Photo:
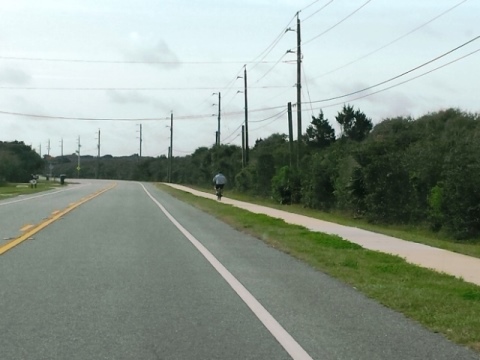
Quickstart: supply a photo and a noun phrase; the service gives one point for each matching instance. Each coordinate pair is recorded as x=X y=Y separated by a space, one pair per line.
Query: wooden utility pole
x=141 y=139
x=171 y=149
x=219 y=116
x=290 y=132
x=78 y=153
x=243 y=146
x=98 y=156
x=299 y=92
x=246 y=115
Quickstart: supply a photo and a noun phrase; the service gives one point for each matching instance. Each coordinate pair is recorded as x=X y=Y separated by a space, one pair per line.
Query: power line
x=185 y=117
x=130 y=62
x=270 y=70
x=313 y=3
x=406 y=81
x=189 y=117
x=127 y=89
x=402 y=74
x=308 y=89
x=255 y=121
x=316 y=12
x=338 y=23
x=233 y=132
x=276 y=117
x=284 y=111
x=393 y=41
x=269 y=48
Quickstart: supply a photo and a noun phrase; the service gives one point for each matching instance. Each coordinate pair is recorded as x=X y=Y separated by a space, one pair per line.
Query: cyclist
x=219 y=180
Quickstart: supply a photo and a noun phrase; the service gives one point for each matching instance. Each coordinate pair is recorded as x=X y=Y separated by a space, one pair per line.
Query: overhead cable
x=393 y=41
x=338 y=23
x=402 y=74
x=128 y=89
x=131 y=62
x=404 y=82
x=185 y=117
x=316 y=12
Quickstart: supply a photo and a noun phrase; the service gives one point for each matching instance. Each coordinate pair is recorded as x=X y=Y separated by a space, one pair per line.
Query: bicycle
x=219 y=193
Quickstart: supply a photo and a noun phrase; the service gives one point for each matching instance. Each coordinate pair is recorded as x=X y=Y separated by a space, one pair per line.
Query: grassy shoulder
x=11 y=189
x=409 y=233
x=440 y=302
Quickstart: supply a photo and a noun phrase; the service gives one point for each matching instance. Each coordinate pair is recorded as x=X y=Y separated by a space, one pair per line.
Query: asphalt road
x=135 y=274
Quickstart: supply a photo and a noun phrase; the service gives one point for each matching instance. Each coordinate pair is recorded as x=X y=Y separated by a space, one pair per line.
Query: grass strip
x=411 y=233
x=440 y=302
x=12 y=190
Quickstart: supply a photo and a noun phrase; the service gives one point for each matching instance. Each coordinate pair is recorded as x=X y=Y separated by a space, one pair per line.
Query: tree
x=320 y=134
x=18 y=162
x=318 y=181
x=355 y=124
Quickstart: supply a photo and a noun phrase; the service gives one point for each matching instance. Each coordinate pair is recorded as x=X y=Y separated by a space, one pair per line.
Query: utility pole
x=243 y=146
x=290 y=132
x=171 y=148
x=299 y=91
x=168 y=167
x=140 y=140
x=98 y=156
x=78 y=153
x=219 y=116
x=246 y=115
x=49 y=169
x=61 y=147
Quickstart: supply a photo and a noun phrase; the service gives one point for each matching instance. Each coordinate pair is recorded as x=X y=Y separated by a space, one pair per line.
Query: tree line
x=403 y=170
x=421 y=171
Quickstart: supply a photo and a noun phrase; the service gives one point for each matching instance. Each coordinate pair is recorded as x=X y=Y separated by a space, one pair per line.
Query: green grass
x=11 y=189
x=440 y=302
x=410 y=233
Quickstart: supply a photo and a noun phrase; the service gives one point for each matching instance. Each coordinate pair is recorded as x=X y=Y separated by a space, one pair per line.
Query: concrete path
x=462 y=266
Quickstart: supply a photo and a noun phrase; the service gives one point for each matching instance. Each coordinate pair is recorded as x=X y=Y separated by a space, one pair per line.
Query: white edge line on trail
x=283 y=337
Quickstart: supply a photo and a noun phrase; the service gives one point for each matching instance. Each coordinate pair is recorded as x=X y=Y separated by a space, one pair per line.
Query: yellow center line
x=36 y=228
x=26 y=227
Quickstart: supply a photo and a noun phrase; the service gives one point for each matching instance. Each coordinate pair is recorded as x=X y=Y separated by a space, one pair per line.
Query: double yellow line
x=32 y=230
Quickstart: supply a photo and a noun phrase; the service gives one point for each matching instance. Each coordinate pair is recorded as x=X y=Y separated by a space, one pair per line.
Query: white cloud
x=149 y=49
x=14 y=76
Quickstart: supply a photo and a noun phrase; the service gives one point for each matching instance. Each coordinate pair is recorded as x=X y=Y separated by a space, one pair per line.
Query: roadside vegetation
x=416 y=179
x=8 y=190
x=440 y=302
x=408 y=173
x=418 y=234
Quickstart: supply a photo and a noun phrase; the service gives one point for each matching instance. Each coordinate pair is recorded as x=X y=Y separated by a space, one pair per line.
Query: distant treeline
x=421 y=171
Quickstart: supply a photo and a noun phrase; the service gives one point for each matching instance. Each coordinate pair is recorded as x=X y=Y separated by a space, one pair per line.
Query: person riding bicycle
x=219 y=180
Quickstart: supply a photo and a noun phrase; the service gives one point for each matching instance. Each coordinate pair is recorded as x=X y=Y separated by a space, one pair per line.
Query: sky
x=114 y=73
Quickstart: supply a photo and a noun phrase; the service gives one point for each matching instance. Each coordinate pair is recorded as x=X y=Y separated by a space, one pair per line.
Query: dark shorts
x=219 y=186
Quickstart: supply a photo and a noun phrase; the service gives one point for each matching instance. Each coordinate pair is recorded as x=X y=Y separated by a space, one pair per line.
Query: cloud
x=14 y=76
x=135 y=97
x=149 y=50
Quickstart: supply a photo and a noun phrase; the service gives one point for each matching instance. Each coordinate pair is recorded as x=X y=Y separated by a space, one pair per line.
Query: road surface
x=132 y=273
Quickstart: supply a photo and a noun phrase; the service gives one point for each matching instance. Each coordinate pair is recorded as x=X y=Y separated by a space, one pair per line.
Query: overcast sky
x=75 y=61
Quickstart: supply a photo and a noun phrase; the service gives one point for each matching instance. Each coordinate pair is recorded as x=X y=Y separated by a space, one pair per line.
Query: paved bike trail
x=461 y=266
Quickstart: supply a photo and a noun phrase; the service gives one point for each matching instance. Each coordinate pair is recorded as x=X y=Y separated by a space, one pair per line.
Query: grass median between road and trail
x=416 y=234
x=440 y=302
x=12 y=189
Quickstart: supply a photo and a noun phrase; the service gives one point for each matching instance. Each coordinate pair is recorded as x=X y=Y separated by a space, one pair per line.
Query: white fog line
x=283 y=337
x=39 y=196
